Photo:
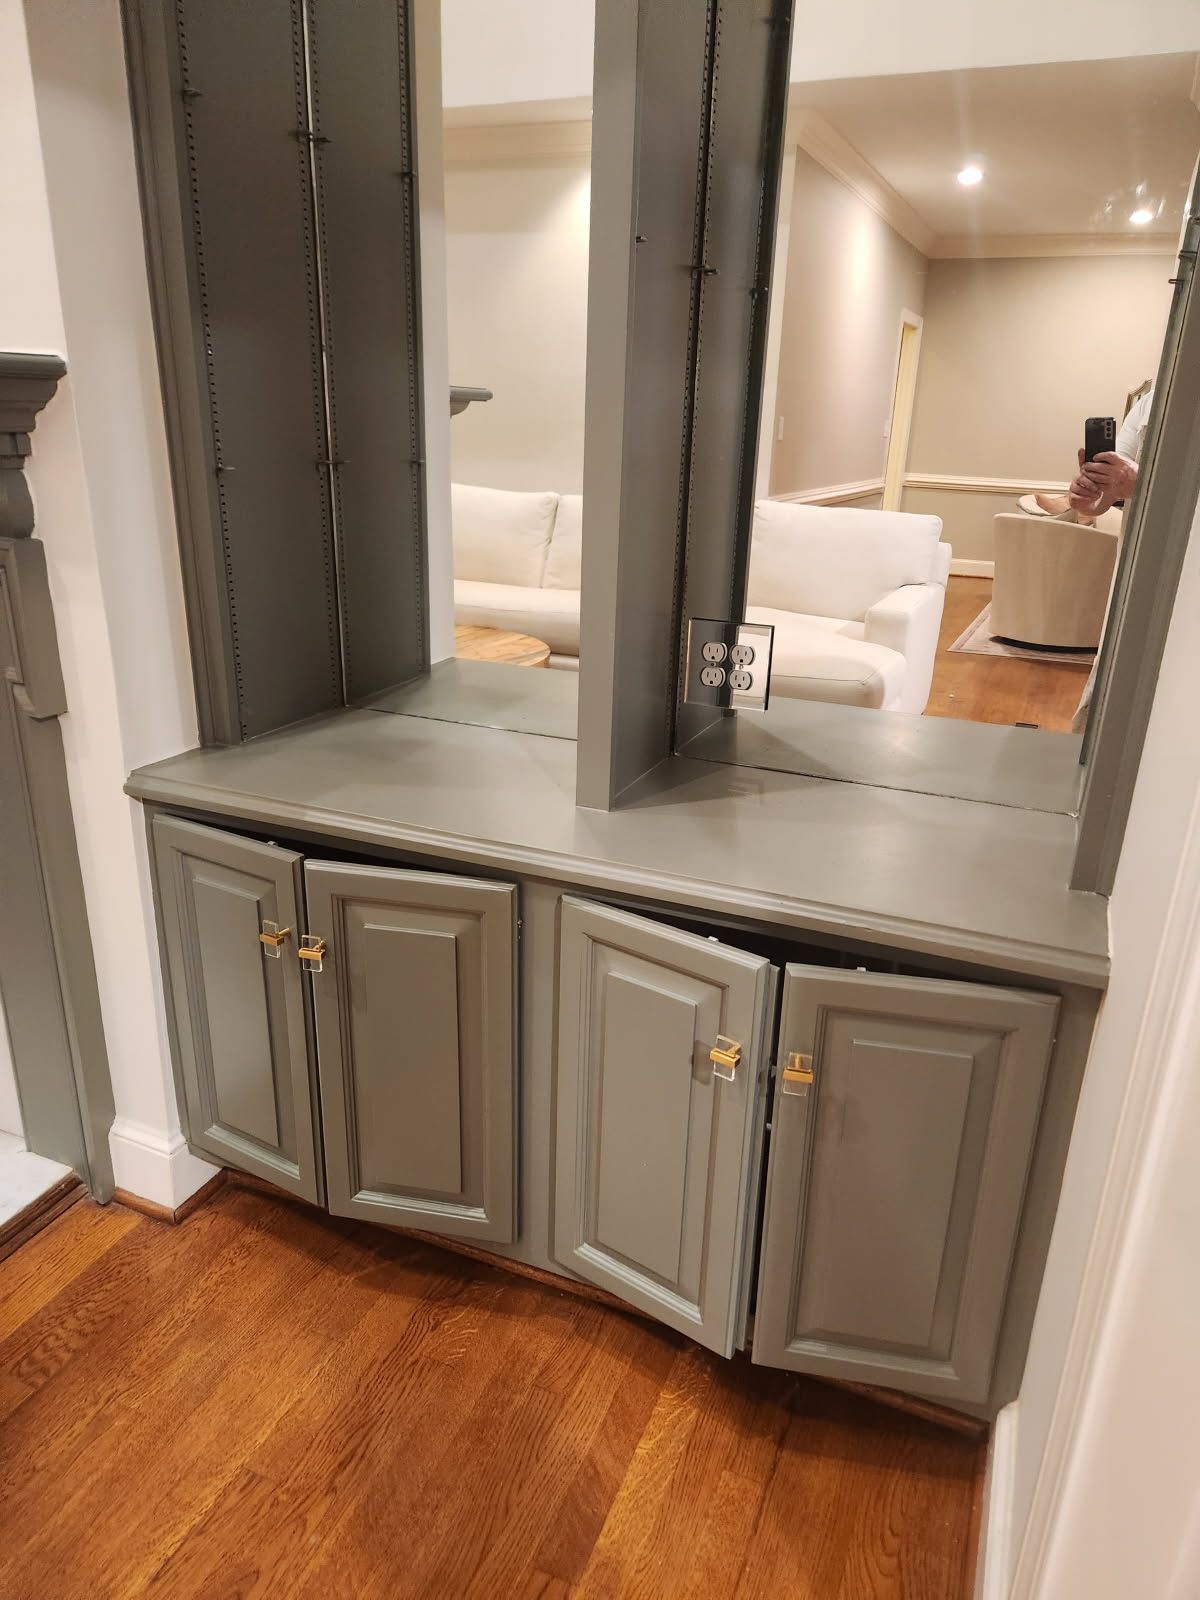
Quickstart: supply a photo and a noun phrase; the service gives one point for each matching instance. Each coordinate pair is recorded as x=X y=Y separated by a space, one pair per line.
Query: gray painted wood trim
x=484 y=1207
x=272 y=1052
x=947 y=878
x=1160 y=525
x=1005 y=1038
x=47 y=967
x=649 y=131
x=748 y=106
x=691 y=1273
x=153 y=91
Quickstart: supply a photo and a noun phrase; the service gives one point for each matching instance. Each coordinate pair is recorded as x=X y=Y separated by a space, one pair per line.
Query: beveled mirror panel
x=973 y=276
x=505 y=190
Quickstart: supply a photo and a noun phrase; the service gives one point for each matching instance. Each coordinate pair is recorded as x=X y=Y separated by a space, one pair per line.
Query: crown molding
x=1009 y=246
x=809 y=131
x=27 y=383
x=485 y=144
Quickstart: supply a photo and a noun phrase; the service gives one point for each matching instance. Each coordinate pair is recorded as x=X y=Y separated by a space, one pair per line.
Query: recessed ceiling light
x=1141 y=217
x=970 y=176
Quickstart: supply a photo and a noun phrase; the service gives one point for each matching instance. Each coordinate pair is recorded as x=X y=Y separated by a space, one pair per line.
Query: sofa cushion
x=837 y=561
x=551 y=615
x=828 y=624
x=500 y=535
x=564 y=563
x=809 y=663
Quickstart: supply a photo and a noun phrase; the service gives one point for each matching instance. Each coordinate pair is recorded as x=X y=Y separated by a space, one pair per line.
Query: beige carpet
x=978 y=641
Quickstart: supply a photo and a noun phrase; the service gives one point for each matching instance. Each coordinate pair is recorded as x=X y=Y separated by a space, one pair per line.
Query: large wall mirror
x=969 y=265
x=505 y=192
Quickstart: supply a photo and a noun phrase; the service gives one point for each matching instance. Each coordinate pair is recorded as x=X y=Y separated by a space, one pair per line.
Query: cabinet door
x=415 y=1038
x=236 y=1005
x=896 y=1176
x=656 y=1152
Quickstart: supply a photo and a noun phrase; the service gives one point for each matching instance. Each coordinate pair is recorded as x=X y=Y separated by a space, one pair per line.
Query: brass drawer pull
x=725 y=1056
x=797 y=1074
x=273 y=938
x=312 y=951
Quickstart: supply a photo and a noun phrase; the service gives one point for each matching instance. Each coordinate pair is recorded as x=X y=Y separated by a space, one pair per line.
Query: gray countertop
x=963 y=879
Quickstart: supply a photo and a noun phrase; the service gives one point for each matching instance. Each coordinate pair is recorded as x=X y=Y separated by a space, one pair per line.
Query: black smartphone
x=1099 y=433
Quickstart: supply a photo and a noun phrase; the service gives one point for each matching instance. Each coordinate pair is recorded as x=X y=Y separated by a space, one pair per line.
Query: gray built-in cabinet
x=839 y=1187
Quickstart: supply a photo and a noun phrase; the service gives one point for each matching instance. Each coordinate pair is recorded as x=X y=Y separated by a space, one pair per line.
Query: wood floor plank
x=1001 y=689
x=44 y=1266
x=114 y=1334
x=622 y=1557
x=239 y=1386
x=569 y=1539
x=267 y=1402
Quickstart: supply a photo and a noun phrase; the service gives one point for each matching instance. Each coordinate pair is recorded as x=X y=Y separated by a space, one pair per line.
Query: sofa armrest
x=908 y=620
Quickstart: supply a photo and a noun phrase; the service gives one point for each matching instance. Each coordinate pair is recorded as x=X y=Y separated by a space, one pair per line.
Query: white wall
x=516 y=51
x=516 y=273
x=1107 y=1465
x=98 y=474
x=849 y=276
x=1011 y=367
x=868 y=38
x=529 y=50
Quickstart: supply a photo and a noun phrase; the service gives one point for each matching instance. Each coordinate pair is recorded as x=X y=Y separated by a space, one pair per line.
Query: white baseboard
x=155 y=1165
x=960 y=567
x=993 y=1569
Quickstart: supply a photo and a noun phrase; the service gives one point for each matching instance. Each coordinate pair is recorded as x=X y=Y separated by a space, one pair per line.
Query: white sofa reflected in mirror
x=855 y=597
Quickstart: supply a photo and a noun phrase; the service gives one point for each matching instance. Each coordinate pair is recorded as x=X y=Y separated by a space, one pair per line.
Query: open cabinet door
x=904 y=1119
x=415 y=1041
x=656 y=1155
x=229 y=913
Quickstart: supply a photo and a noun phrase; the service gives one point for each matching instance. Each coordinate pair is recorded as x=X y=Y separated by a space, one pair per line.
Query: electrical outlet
x=744 y=683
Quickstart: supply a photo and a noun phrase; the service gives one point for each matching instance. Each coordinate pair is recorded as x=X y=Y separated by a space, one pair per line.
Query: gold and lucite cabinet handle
x=273 y=938
x=797 y=1074
x=312 y=951
x=725 y=1056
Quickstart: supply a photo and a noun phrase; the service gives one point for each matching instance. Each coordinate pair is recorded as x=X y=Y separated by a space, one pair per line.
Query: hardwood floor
x=264 y=1401
x=997 y=688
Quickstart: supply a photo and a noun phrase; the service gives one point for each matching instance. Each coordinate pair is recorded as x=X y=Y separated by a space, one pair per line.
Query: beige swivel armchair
x=1052 y=579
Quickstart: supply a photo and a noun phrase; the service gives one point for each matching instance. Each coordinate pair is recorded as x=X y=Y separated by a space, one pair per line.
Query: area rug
x=979 y=642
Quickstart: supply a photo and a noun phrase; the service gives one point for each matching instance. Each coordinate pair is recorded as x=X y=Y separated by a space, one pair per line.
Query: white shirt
x=1131 y=435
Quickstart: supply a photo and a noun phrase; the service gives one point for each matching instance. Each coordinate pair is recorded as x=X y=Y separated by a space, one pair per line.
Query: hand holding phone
x=1099 y=434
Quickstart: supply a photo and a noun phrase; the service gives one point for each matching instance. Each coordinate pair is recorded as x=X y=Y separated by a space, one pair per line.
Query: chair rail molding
x=47 y=969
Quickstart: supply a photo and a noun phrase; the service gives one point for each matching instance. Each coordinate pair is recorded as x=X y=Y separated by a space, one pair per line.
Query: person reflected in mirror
x=1107 y=481
x=1110 y=478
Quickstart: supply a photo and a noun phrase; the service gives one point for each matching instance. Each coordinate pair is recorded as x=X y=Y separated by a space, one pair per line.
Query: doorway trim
x=908 y=356
x=47 y=968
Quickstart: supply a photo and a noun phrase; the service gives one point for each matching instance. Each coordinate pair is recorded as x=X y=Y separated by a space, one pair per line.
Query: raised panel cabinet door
x=415 y=1019
x=904 y=1119
x=656 y=1151
x=236 y=1005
